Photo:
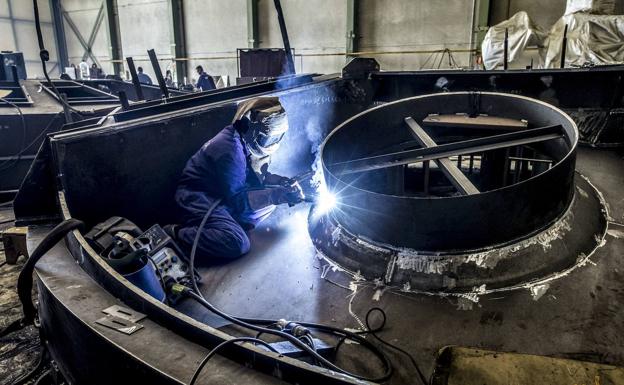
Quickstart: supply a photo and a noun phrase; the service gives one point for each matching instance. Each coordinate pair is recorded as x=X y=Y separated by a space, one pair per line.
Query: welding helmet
x=266 y=124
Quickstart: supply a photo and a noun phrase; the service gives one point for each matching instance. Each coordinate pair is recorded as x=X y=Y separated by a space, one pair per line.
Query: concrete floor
x=18 y=351
x=579 y=316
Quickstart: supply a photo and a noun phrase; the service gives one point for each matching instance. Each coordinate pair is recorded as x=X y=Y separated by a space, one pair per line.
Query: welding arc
x=251 y=323
x=388 y=370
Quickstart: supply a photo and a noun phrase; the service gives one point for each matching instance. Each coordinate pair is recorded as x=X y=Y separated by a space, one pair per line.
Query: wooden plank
x=479 y=121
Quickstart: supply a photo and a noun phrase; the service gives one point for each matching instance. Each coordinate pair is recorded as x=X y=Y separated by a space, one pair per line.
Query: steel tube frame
x=452 y=172
x=464 y=147
x=369 y=205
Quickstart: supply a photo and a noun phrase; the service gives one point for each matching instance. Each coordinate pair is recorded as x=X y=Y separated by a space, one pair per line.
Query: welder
x=227 y=185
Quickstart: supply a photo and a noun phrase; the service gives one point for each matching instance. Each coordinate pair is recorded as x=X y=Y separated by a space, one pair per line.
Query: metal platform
x=574 y=315
x=103 y=169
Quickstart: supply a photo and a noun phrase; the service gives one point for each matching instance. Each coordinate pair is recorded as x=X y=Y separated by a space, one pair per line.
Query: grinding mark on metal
x=390 y=269
x=616 y=233
x=412 y=260
x=464 y=303
x=474 y=295
x=538 y=291
x=335 y=236
x=353 y=286
x=368 y=244
x=377 y=295
x=582 y=192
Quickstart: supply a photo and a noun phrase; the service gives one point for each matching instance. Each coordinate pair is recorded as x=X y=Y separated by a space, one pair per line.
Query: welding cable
x=6 y=166
x=194 y=248
x=251 y=323
x=44 y=376
x=220 y=346
x=374 y=331
x=25 y=278
x=350 y=335
x=23 y=120
x=183 y=290
x=44 y=55
x=44 y=358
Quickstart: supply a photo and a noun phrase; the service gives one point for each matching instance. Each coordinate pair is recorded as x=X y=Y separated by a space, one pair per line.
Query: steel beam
x=135 y=79
x=18 y=20
x=471 y=146
x=94 y=31
x=158 y=73
x=253 y=40
x=81 y=39
x=12 y=21
x=481 y=21
x=178 y=41
x=282 y=24
x=352 y=27
x=59 y=34
x=452 y=172
x=114 y=35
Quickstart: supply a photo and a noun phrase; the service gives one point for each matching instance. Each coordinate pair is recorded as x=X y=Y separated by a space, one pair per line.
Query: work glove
x=291 y=194
x=259 y=199
x=276 y=180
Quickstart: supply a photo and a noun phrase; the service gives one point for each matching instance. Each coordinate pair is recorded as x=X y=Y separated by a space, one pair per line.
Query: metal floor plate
x=580 y=315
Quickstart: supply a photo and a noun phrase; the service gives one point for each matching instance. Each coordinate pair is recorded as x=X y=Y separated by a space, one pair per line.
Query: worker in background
x=228 y=178
x=95 y=72
x=84 y=70
x=169 y=79
x=143 y=77
x=205 y=81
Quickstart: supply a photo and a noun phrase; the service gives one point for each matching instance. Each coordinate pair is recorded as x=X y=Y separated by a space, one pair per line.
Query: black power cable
x=7 y=163
x=183 y=290
x=44 y=358
x=23 y=120
x=194 y=248
x=44 y=55
x=220 y=346
x=373 y=332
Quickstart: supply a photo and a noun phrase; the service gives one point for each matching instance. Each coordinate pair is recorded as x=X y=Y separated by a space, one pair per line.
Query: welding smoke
x=311 y=115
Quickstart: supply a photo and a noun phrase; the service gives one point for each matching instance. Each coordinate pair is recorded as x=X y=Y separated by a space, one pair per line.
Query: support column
x=59 y=34
x=480 y=22
x=252 y=24
x=282 y=24
x=178 y=39
x=352 y=27
x=114 y=35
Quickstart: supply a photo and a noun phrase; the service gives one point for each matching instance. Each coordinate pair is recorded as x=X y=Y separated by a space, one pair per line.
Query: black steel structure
x=128 y=165
x=374 y=191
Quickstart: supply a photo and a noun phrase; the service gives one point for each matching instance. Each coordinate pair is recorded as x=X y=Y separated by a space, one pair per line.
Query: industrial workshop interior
x=424 y=192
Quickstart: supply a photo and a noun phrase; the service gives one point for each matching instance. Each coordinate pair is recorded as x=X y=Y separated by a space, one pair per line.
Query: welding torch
x=294 y=184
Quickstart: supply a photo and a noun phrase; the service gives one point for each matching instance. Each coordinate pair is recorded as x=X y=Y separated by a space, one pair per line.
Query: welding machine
x=151 y=260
